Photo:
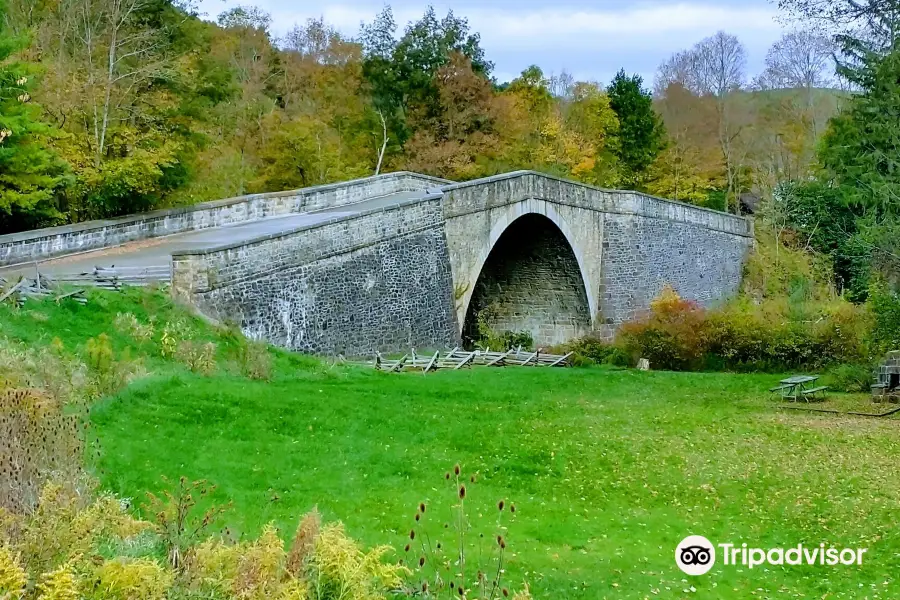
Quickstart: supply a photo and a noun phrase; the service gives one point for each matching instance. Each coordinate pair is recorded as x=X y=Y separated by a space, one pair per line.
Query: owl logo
x=695 y=555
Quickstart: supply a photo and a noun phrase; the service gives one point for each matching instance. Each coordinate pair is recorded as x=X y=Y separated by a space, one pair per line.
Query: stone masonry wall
x=531 y=283
x=628 y=245
x=47 y=243
x=353 y=286
x=643 y=254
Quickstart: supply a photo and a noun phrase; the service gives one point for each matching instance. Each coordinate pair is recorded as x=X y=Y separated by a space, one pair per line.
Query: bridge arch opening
x=530 y=283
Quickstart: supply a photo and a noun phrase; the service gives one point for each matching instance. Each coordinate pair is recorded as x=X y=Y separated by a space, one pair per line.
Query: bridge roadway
x=155 y=252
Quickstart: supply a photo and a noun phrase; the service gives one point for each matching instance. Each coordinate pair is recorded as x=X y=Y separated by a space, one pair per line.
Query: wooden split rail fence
x=43 y=286
x=39 y=287
x=457 y=359
x=114 y=278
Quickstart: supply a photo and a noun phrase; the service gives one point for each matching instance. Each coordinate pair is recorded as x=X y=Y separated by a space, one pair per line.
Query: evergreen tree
x=859 y=156
x=859 y=150
x=641 y=131
x=30 y=173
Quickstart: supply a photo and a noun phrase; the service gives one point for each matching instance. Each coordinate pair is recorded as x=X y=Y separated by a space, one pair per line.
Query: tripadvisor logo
x=696 y=555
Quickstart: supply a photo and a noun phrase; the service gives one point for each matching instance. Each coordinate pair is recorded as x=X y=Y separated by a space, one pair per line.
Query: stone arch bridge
x=401 y=260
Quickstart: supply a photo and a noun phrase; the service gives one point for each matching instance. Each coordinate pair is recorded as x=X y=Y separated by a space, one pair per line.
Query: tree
x=861 y=29
x=721 y=63
x=402 y=72
x=562 y=85
x=859 y=150
x=592 y=131
x=715 y=66
x=800 y=59
x=30 y=173
x=462 y=133
x=691 y=166
x=641 y=133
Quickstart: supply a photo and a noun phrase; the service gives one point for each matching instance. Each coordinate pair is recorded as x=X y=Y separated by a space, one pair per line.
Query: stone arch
x=531 y=276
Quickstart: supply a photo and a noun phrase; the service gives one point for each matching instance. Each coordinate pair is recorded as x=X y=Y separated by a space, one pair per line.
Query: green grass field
x=608 y=469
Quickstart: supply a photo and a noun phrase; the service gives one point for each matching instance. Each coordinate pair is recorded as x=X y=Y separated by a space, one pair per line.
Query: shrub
x=173 y=334
x=129 y=325
x=885 y=307
x=671 y=337
x=199 y=358
x=591 y=350
x=339 y=568
x=110 y=373
x=177 y=520
x=70 y=522
x=64 y=538
x=327 y=564
x=850 y=378
x=488 y=337
x=59 y=584
x=254 y=360
x=51 y=369
x=127 y=579
x=13 y=578
x=679 y=335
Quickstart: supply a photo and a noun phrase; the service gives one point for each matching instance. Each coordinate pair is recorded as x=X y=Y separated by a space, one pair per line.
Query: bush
x=111 y=373
x=199 y=358
x=679 y=335
x=58 y=551
x=254 y=360
x=885 y=307
x=129 y=325
x=853 y=378
x=592 y=350
x=127 y=579
x=671 y=337
x=487 y=337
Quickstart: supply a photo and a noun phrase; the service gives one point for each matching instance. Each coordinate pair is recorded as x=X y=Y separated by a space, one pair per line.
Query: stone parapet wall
x=511 y=188
x=41 y=244
x=375 y=281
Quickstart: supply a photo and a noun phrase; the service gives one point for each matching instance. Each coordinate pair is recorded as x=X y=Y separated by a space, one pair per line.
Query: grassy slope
x=608 y=469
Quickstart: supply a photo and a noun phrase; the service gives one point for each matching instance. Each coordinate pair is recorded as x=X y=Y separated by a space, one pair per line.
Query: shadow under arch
x=531 y=281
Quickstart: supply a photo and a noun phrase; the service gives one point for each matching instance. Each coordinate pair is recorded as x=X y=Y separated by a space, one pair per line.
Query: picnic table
x=797 y=387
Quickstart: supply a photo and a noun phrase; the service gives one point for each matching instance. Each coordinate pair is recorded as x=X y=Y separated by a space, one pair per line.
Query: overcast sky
x=592 y=39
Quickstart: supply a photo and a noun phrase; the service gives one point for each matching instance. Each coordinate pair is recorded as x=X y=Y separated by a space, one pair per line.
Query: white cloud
x=590 y=42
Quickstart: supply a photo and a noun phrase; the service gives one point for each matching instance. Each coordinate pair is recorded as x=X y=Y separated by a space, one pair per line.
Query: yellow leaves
x=339 y=563
x=252 y=570
x=60 y=584
x=259 y=567
x=63 y=528
x=584 y=168
x=295 y=589
x=125 y=579
x=13 y=578
x=214 y=564
x=679 y=174
x=669 y=302
x=322 y=557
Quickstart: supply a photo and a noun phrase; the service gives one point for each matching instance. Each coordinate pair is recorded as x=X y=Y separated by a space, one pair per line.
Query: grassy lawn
x=608 y=469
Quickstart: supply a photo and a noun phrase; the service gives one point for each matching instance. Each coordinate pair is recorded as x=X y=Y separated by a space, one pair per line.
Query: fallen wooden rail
x=458 y=359
x=40 y=287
